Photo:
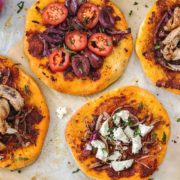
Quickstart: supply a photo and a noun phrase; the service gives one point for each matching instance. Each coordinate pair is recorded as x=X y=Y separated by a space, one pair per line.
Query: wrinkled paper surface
x=55 y=161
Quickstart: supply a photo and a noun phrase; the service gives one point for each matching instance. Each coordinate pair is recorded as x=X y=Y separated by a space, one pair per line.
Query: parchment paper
x=55 y=161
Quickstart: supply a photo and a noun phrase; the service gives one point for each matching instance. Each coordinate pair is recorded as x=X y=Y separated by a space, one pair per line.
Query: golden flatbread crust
x=130 y=95
x=25 y=156
x=112 y=68
x=145 y=45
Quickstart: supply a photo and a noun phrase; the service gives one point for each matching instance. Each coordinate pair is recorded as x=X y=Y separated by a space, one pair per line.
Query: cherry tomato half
x=59 y=60
x=76 y=40
x=88 y=15
x=54 y=13
x=101 y=44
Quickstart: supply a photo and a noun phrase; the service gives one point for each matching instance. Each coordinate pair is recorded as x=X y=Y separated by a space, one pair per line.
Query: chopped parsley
x=22 y=159
x=26 y=89
x=146 y=5
x=153 y=136
x=135 y=3
x=127 y=123
x=141 y=106
x=108 y=43
x=164 y=138
x=85 y=21
x=157 y=46
x=70 y=42
x=68 y=50
x=137 y=132
x=178 y=120
x=77 y=170
x=131 y=12
x=20 y=5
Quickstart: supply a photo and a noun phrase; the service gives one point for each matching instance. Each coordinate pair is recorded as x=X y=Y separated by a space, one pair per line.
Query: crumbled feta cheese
x=129 y=132
x=115 y=156
x=145 y=129
x=125 y=148
x=61 y=111
x=122 y=165
x=102 y=154
x=136 y=144
x=104 y=130
x=98 y=144
x=124 y=115
x=116 y=119
x=11 y=130
x=88 y=147
x=120 y=135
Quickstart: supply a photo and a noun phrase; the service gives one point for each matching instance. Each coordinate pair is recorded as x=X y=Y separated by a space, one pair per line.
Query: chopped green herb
x=135 y=3
x=141 y=106
x=164 y=138
x=20 y=6
x=22 y=159
x=131 y=12
x=85 y=21
x=101 y=29
x=108 y=43
x=77 y=170
x=60 y=64
x=127 y=123
x=146 y=6
x=26 y=89
x=137 y=132
x=178 y=120
x=153 y=136
x=157 y=47
x=68 y=50
x=70 y=42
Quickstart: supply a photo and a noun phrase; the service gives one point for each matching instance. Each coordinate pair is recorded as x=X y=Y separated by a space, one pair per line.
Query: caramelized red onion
x=72 y=6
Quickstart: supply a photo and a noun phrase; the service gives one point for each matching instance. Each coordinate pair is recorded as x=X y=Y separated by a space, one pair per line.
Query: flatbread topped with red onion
x=77 y=48
x=120 y=135
x=158 y=44
x=24 y=118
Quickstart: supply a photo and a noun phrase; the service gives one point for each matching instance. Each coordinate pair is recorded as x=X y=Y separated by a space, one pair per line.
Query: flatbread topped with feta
x=158 y=44
x=120 y=135
x=77 y=48
x=24 y=118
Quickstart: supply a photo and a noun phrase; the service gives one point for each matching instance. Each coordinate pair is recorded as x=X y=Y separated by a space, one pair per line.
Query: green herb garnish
x=70 y=42
x=141 y=106
x=178 y=120
x=77 y=170
x=85 y=21
x=131 y=12
x=135 y=3
x=22 y=159
x=127 y=123
x=164 y=138
x=157 y=46
x=153 y=136
x=26 y=89
x=68 y=50
x=20 y=6
x=137 y=132
x=146 y=6
x=108 y=43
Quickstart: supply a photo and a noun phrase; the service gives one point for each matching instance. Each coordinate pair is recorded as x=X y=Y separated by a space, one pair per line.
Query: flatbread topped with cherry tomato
x=158 y=44
x=120 y=135
x=77 y=48
x=24 y=118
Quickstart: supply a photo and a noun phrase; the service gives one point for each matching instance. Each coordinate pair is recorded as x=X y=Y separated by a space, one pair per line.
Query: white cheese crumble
x=115 y=156
x=129 y=132
x=136 y=144
x=116 y=119
x=104 y=130
x=119 y=135
x=98 y=144
x=145 y=129
x=124 y=115
x=11 y=130
x=61 y=111
x=121 y=165
x=88 y=147
x=102 y=154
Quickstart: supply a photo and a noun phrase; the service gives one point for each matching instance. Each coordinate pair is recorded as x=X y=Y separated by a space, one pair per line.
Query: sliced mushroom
x=13 y=96
x=174 y=21
x=4 y=112
x=171 y=52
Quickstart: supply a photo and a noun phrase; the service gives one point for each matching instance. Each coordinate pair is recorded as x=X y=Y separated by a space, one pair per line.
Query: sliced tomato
x=88 y=15
x=101 y=44
x=54 y=13
x=59 y=60
x=76 y=40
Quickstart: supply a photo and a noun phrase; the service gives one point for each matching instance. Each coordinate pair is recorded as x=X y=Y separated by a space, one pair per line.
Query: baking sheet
x=55 y=161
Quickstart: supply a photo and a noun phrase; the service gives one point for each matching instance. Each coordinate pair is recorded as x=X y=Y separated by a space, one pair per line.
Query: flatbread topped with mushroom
x=77 y=48
x=158 y=44
x=24 y=118
x=121 y=135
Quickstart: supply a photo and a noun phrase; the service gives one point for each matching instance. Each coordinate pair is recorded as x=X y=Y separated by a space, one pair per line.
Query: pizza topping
x=72 y=6
x=119 y=139
x=167 y=39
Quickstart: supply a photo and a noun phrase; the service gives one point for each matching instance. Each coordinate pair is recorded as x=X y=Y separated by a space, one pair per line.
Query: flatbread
x=130 y=95
x=113 y=66
x=145 y=46
x=24 y=156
